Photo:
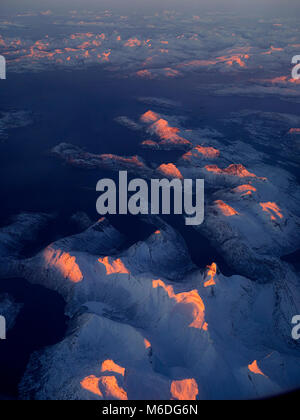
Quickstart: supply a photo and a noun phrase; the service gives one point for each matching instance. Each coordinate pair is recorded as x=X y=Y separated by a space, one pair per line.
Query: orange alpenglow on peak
x=111 y=388
x=295 y=81
x=164 y=130
x=132 y=160
x=147 y=343
x=150 y=143
x=206 y=152
x=149 y=117
x=168 y=289
x=255 y=369
x=64 y=263
x=234 y=169
x=167 y=133
x=111 y=366
x=205 y=326
x=133 y=42
x=271 y=50
x=192 y=299
x=91 y=384
x=108 y=384
x=273 y=210
x=283 y=80
x=246 y=189
x=169 y=72
x=170 y=169
x=115 y=267
x=209 y=152
x=225 y=208
x=211 y=273
x=82 y=35
x=106 y=56
x=145 y=74
x=186 y=390
x=236 y=59
x=279 y=79
x=214 y=168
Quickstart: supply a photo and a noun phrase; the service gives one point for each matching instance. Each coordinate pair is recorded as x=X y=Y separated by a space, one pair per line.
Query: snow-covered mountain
x=147 y=324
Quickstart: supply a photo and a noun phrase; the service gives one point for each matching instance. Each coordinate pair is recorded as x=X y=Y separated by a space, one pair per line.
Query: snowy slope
x=136 y=334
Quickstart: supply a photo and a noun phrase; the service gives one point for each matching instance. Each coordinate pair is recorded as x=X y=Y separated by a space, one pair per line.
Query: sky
x=274 y=7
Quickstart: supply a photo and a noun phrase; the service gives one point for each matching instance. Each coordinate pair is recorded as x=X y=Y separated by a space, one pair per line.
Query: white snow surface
x=136 y=333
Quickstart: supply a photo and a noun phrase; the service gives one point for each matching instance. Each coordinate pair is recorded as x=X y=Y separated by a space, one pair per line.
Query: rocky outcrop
x=77 y=157
x=22 y=231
